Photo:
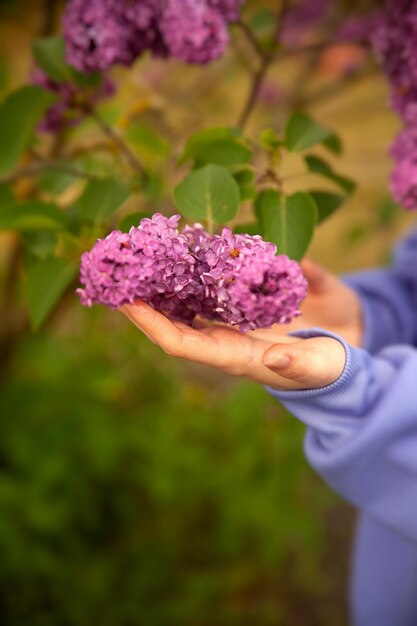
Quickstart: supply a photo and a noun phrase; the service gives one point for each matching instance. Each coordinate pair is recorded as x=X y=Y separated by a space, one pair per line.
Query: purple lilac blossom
x=66 y=111
x=101 y=33
x=236 y=279
x=228 y=8
x=302 y=19
x=150 y=260
x=403 y=183
x=394 y=43
x=193 y=31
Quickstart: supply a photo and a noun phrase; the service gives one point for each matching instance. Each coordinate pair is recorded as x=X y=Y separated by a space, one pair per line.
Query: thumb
x=319 y=279
x=311 y=363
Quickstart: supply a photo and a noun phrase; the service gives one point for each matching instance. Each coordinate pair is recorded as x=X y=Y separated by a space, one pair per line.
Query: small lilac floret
x=232 y=278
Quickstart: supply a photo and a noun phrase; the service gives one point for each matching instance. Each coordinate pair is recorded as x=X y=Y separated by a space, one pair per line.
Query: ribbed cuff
x=312 y=406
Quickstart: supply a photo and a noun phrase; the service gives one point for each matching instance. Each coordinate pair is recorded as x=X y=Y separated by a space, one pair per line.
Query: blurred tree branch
x=267 y=60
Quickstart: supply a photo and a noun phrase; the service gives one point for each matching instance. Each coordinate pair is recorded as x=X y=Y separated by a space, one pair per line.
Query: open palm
x=285 y=363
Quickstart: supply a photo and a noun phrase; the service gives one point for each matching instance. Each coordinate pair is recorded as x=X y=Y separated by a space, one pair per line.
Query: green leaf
x=153 y=187
x=31 y=216
x=101 y=199
x=249 y=228
x=269 y=139
x=41 y=244
x=199 y=140
x=225 y=152
x=146 y=139
x=287 y=222
x=46 y=282
x=132 y=219
x=262 y=23
x=244 y=177
x=6 y=196
x=19 y=115
x=320 y=166
x=49 y=54
x=54 y=181
x=387 y=211
x=303 y=132
x=326 y=202
x=334 y=144
x=210 y=193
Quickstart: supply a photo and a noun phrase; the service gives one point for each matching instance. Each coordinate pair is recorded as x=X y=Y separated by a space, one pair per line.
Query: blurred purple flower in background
x=395 y=43
x=102 y=33
x=193 y=31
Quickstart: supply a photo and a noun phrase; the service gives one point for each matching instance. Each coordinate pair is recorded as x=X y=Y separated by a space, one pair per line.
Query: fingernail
x=277 y=362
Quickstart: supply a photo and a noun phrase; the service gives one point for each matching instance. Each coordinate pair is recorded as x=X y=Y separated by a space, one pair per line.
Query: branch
x=36 y=168
x=250 y=37
x=267 y=59
x=119 y=141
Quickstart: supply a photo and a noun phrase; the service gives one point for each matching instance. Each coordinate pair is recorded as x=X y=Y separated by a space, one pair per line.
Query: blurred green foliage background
x=136 y=489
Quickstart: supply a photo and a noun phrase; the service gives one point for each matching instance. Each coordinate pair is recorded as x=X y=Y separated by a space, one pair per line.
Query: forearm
x=362 y=436
x=389 y=299
x=388 y=313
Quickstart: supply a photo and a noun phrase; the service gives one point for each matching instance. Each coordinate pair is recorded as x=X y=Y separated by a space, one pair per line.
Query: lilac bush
x=232 y=278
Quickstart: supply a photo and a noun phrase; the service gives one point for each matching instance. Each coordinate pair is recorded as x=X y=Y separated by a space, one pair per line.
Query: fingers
x=210 y=346
x=171 y=337
x=319 y=280
x=310 y=363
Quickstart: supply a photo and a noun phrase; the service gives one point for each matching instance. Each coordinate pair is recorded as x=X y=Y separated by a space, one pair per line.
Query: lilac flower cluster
x=67 y=110
x=301 y=19
x=394 y=43
x=102 y=33
x=236 y=279
x=404 y=173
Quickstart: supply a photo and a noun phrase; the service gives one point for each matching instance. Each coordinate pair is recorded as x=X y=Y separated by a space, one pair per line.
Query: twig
x=267 y=59
x=119 y=141
x=36 y=168
x=337 y=87
x=251 y=38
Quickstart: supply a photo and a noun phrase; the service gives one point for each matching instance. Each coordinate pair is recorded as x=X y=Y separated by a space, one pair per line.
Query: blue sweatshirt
x=362 y=439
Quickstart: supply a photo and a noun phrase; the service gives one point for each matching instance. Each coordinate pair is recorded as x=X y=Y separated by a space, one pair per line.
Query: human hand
x=286 y=363
x=330 y=304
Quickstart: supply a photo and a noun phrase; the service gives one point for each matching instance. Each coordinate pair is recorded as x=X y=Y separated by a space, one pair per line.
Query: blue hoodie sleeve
x=362 y=436
x=389 y=298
